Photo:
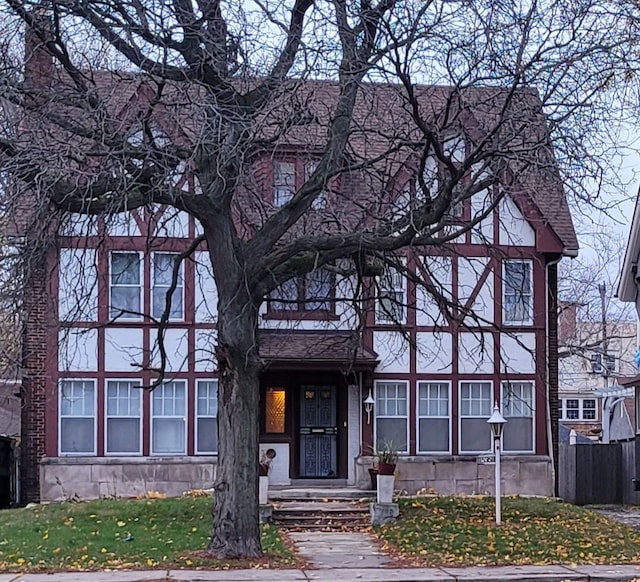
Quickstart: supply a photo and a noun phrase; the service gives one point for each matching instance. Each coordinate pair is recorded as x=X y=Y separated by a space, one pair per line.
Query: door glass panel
x=275 y=404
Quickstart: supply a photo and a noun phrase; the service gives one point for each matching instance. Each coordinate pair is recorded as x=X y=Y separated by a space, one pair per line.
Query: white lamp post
x=496 y=422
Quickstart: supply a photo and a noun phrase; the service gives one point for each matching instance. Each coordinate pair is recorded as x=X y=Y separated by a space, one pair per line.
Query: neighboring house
x=589 y=369
x=628 y=291
x=433 y=368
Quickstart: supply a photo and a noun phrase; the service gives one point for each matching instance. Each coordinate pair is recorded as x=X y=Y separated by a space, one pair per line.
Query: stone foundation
x=65 y=478
x=521 y=475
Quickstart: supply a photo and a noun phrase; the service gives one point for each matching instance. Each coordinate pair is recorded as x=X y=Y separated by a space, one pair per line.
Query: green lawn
x=119 y=534
x=461 y=531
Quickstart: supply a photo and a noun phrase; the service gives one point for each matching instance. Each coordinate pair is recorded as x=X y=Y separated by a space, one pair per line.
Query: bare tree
x=221 y=86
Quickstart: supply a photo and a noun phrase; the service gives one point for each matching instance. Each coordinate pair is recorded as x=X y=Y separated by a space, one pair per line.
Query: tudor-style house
x=435 y=337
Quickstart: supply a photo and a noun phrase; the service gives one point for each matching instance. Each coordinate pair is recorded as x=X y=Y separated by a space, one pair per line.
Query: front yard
x=461 y=531
x=116 y=533
x=432 y=531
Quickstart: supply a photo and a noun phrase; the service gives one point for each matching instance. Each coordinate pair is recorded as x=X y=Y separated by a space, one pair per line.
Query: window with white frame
x=391 y=414
x=123 y=414
x=207 y=416
x=518 y=409
x=475 y=410
x=578 y=409
x=392 y=297
x=284 y=182
x=168 y=418
x=434 y=418
x=517 y=296
x=163 y=266
x=125 y=285
x=77 y=408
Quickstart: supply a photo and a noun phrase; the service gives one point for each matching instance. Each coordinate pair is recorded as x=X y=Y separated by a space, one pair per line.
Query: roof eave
x=627 y=288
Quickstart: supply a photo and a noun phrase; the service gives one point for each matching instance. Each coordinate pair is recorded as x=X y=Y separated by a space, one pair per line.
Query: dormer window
x=289 y=176
x=284 y=182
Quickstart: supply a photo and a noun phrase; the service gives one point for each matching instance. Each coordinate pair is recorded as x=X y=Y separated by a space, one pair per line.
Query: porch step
x=321 y=515
x=320 y=494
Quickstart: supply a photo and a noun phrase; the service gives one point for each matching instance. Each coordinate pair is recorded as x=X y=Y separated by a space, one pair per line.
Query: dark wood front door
x=318 y=432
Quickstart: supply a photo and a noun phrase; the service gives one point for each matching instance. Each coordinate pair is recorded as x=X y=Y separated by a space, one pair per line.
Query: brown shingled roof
x=300 y=349
x=382 y=127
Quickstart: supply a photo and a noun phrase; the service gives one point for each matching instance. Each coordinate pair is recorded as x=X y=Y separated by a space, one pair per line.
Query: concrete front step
x=319 y=494
x=327 y=515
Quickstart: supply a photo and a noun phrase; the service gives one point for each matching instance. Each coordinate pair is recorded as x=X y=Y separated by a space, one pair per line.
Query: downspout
x=547 y=382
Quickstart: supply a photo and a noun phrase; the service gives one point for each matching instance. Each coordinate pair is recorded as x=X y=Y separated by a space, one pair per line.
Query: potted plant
x=387 y=458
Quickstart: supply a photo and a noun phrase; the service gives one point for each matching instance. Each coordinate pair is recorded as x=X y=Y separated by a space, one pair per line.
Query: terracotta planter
x=386 y=468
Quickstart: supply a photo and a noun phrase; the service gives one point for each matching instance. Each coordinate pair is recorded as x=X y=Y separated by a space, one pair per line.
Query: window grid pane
x=163 y=264
x=475 y=409
x=391 y=297
x=475 y=399
x=206 y=416
x=517 y=291
x=77 y=419
x=125 y=285
x=517 y=400
x=433 y=417
x=391 y=413
x=169 y=422
x=284 y=182
x=123 y=417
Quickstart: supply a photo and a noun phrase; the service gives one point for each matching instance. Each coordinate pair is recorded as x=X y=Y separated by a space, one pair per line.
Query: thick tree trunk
x=236 y=530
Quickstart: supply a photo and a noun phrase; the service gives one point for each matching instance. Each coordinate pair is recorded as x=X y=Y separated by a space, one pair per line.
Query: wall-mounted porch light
x=368 y=406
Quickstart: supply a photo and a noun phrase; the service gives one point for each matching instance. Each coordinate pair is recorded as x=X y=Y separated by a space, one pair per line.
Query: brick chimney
x=567 y=321
x=39 y=68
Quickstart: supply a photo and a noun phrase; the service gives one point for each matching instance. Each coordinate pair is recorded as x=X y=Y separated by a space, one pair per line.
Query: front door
x=318 y=432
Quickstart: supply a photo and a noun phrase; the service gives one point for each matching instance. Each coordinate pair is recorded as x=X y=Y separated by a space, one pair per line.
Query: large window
x=125 y=288
x=578 y=409
x=163 y=265
x=392 y=297
x=517 y=298
x=310 y=292
x=518 y=410
x=391 y=414
x=433 y=417
x=77 y=408
x=284 y=182
x=207 y=417
x=123 y=413
x=475 y=410
x=168 y=422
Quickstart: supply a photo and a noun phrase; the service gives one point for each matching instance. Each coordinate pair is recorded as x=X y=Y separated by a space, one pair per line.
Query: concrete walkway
x=328 y=550
x=486 y=574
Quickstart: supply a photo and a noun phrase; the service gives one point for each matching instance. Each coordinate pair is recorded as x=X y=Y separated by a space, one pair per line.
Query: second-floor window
x=392 y=297
x=310 y=292
x=125 y=285
x=517 y=292
x=163 y=266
